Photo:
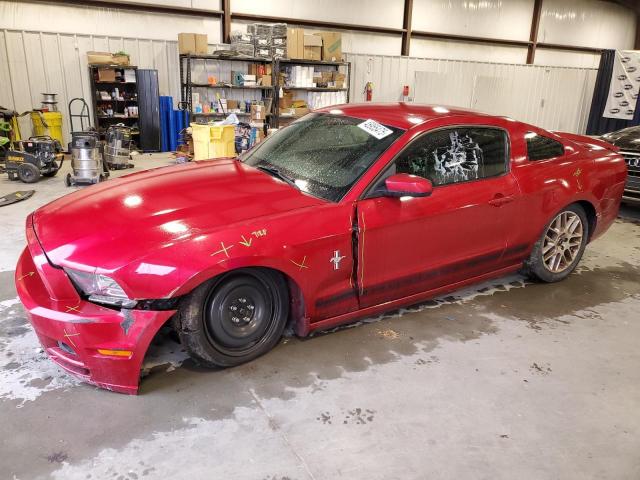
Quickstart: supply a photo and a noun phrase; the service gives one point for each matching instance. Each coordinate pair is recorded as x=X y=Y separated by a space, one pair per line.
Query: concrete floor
x=501 y=381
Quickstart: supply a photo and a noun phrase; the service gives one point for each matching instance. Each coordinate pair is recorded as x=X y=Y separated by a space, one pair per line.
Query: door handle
x=500 y=200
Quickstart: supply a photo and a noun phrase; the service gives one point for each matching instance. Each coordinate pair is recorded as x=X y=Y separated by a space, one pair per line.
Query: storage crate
x=213 y=141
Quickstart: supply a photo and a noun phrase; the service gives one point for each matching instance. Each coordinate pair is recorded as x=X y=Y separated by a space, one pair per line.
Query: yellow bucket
x=53 y=128
x=213 y=141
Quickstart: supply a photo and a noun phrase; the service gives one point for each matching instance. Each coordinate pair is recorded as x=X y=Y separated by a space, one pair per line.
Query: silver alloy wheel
x=562 y=242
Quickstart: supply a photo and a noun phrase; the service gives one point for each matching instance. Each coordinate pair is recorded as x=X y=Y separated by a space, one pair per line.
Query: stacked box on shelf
x=242 y=43
x=279 y=40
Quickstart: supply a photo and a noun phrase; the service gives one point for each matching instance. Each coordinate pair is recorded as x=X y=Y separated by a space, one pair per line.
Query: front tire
x=233 y=319
x=559 y=250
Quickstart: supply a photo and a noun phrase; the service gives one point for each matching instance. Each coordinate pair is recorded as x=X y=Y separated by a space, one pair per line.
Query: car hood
x=111 y=224
x=625 y=139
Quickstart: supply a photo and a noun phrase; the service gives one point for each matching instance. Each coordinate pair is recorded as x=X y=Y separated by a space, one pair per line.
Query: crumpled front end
x=101 y=345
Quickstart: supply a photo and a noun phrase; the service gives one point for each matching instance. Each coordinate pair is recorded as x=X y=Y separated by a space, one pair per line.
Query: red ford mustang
x=348 y=212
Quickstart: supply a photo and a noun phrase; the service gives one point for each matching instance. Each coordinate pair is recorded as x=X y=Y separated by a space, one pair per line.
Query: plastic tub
x=213 y=141
x=53 y=121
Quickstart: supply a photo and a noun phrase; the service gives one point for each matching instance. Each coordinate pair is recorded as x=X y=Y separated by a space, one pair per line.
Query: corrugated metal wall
x=555 y=98
x=551 y=97
x=36 y=62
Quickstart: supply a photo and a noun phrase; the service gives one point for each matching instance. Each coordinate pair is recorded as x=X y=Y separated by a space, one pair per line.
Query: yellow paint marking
x=245 y=242
x=224 y=250
x=30 y=274
x=301 y=264
x=73 y=309
x=69 y=335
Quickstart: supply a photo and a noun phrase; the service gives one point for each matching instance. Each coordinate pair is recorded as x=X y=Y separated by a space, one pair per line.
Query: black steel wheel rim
x=238 y=316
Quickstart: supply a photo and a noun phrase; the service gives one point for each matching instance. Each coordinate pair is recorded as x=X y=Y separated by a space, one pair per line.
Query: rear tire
x=234 y=319
x=559 y=250
x=28 y=173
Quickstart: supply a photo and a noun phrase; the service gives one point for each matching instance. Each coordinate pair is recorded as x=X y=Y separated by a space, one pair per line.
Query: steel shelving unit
x=283 y=62
x=187 y=84
x=102 y=122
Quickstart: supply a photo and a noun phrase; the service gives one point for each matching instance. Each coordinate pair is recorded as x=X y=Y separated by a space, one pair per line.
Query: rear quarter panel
x=586 y=172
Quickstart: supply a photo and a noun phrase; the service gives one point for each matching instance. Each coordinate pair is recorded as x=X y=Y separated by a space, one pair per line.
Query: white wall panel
x=108 y=22
x=588 y=23
x=36 y=62
x=381 y=13
x=551 y=97
x=467 y=51
x=508 y=19
x=352 y=41
x=563 y=58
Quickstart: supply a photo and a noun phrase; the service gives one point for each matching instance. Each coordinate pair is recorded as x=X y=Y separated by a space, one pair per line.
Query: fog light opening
x=66 y=348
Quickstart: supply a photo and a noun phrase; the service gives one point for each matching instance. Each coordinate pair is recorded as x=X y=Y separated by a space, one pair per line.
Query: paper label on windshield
x=375 y=129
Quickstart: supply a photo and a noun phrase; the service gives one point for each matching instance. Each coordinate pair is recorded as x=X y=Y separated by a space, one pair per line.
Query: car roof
x=399 y=114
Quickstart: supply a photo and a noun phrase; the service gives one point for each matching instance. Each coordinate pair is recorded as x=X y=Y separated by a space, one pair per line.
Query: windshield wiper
x=274 y=172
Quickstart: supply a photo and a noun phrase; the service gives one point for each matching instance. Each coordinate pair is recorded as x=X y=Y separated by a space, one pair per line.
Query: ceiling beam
x=533 y=34
x=226 y=21
x=406 y=25
x=316 y=23
x=469 y=38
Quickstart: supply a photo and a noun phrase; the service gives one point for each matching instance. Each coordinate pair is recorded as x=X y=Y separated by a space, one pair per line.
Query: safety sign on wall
x=624 y=86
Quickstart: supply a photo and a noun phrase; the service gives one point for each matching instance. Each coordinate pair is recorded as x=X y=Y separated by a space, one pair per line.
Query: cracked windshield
x=323 y=154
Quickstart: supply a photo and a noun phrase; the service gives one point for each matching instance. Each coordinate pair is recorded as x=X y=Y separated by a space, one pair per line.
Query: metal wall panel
x=555 y=98
x=35 y=62
x=480 y=18
x=358 y=12
x=588 y=23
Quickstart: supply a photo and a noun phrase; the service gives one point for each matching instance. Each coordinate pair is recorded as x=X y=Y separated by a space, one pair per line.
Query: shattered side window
x=456 y=155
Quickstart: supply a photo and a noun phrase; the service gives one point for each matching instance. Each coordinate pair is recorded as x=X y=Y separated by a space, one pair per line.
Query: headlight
x=100 y=288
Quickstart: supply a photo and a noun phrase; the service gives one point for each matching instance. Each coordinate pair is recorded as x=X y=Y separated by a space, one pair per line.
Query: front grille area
x=632 y=159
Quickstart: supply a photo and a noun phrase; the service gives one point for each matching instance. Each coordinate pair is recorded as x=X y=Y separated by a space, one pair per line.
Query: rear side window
x=455 y=155
x=541 y=148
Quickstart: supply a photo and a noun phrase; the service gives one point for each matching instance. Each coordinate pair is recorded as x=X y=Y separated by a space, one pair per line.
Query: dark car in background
x=628 y=141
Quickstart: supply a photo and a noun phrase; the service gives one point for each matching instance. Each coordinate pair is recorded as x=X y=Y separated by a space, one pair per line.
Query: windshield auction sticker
x=375 y=129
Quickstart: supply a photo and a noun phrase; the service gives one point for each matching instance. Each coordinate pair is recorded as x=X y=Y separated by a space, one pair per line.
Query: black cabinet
x=149 y=110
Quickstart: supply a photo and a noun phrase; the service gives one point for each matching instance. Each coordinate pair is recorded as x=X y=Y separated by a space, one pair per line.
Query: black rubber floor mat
x=16 y=197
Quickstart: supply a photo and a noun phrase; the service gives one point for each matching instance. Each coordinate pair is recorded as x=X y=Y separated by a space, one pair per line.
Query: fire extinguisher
x=368 y=91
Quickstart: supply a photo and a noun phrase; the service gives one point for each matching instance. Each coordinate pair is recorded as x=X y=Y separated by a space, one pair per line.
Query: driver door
x=410 y=245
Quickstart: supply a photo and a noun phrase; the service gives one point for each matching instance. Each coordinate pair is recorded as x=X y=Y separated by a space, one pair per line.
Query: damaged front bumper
x=102 y=346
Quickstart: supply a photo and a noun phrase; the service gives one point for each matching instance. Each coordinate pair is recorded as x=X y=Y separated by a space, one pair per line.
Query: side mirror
x=405 y=185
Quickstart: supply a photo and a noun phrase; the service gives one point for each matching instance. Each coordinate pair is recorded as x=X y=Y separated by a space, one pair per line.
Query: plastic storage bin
x=53 y=128
x=213 y=141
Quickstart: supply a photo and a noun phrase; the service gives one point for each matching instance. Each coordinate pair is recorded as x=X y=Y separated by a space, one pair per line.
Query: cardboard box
x=295 y=43
x=106 y=75
x=121 y=60
x=193 y=43
x=312 y=47
x=99 y=58
x=257 y=112
x=202 y=42
x=266 y=80
x=285 y=101
x=331 y=46
x=232 y=104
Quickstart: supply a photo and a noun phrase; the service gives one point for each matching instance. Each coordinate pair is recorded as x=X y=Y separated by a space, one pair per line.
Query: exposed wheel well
x=296 y=299
x=592 y=218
